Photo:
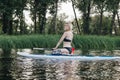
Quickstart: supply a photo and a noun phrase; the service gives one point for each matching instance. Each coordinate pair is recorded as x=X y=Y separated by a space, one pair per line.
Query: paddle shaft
x=42 y=49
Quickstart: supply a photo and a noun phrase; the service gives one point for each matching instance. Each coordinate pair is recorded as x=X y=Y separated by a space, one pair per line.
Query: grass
x=97 y=42
x=49 y=41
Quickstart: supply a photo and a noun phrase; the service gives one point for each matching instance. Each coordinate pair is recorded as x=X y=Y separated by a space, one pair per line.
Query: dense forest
x=93 y=21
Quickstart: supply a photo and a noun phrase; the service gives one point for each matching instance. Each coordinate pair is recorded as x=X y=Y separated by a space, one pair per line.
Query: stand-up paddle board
x=75 y=57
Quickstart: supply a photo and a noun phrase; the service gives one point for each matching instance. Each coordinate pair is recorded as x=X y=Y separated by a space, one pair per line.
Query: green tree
x=38 y=13
x=113 y=7
x=8 y=9
x=85 y=7
x=53 y=11
x=19 y=8
x=101 y=7
x=59 y=26
x=95 y=24
x=73 y=5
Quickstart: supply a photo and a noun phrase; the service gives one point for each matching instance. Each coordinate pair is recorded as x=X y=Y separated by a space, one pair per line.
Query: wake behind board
x=73 y=57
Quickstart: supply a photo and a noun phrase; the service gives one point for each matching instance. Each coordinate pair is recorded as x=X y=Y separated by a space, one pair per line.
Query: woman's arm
x=60 y=41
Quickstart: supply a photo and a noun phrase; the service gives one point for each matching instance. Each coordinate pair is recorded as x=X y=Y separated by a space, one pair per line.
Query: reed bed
x=49 y=41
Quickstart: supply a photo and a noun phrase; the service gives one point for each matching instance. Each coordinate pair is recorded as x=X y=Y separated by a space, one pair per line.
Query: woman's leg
x=62 y=50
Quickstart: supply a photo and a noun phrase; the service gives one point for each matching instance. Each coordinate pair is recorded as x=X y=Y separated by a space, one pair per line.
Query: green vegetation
x=96 y=42
x=49 y=41
x=93 y=20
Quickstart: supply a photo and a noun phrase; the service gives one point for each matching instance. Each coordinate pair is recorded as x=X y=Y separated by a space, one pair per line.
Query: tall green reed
x=49 y=41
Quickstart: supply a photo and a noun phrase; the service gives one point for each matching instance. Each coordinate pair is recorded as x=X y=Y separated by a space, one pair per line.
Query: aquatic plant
x=49 y=41
x=96 y=42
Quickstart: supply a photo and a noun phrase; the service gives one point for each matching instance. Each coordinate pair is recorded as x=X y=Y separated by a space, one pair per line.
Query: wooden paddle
x=42 y=49
x=73 y=49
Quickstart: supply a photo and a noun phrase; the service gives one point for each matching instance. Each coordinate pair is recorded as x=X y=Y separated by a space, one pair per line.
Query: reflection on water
x=21 y=68
x=5 y=66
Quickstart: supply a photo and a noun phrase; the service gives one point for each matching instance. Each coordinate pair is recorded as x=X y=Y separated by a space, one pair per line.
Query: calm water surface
x=21 y=68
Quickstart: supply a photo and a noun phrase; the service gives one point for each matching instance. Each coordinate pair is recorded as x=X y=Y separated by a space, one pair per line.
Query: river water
x=21 y=68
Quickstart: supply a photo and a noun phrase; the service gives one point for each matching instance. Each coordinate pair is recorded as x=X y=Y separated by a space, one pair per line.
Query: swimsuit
x=68 y=48
x=66 y=40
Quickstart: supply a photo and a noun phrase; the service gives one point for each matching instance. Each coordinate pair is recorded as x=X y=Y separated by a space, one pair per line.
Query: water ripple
x=21 y=68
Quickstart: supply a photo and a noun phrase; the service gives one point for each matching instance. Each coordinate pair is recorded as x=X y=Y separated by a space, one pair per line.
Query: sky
x=63 y=8
x=68 y=10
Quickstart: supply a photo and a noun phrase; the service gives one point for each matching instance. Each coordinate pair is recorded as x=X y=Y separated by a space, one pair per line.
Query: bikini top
x=66 y=40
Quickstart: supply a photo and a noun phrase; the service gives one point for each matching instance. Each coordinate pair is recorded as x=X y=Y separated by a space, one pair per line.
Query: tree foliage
x=93 y=20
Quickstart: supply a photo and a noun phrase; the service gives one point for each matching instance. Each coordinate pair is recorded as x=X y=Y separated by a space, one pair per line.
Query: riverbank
x=49 y=41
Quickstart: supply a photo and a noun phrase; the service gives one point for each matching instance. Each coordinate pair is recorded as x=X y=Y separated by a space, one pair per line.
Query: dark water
x=21 y=68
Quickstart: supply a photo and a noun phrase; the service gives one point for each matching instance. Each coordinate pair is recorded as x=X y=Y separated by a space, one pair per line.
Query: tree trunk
x=35 y=16
x=75 y=16
x=53 y=23
x=21 y=24
x=55 y=17
x=101 y=21
x=39 y=22
x=115 y=29
x=42 y=18
x=10 y=23
x=84 y=25
x=112 y=21
x=88 y=17
x=10 y=31
x=5 y=23
x=35 y=23
x=118 y=23
x=118 y=19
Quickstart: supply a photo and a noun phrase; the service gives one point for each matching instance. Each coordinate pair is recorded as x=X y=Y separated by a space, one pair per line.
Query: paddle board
x=74 y=57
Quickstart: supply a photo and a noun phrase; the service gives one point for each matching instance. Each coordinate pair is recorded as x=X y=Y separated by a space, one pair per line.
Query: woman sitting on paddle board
x=66 y=38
